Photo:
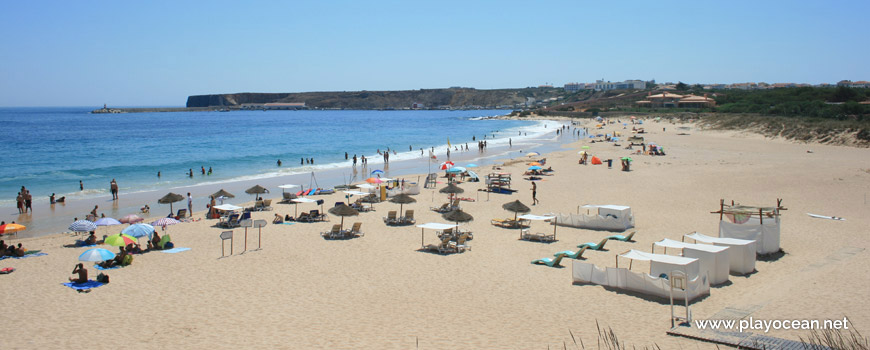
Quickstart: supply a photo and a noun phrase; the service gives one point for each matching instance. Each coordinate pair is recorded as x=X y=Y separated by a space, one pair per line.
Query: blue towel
x=288 y=223
x=25 y=256
x=81 y=286
x=98 y=267
x=174 y=250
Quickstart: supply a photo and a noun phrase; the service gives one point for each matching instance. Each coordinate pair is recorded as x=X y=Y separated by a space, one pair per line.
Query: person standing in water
x=81 y=186
x=113 y=187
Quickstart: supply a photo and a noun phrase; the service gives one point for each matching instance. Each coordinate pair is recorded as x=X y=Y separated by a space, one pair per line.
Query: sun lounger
x=623 y=238
x=510 y=223
x=447 y=232
x=572 y=254
x=551 y=262
x=442 y=248
x=232 y=221
x=460 y=244
x=334 y=233
x=355 y=230
x=540 y=237
x=287 y=197
x=390 y=219
x=593 y=246
x=163 y=240
x=408 y=219
x=442 y=209
x=182 y=213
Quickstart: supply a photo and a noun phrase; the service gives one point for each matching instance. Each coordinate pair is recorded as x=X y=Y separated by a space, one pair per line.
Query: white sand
x=378 y=291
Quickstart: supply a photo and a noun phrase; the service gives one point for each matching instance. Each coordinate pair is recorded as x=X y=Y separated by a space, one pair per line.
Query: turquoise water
x=49 y=150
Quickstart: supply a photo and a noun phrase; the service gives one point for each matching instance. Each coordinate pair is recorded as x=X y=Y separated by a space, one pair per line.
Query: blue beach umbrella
x=83 y=226
x=455 y=170
x=535 y=167
x=471 y=165
x=377 y=171
x=96 y=254
x=139 y=230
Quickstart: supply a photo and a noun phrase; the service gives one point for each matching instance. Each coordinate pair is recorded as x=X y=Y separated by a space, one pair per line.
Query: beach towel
x=6 y=270
x=82 y=286
x=98 y=267
x=287 y=223
x=26 y=255
x=174 y=250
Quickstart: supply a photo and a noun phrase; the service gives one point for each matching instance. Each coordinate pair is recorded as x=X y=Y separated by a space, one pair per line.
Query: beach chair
x=551 y=262
x=408 y=219
x=315 y=215
x=390 y=219
x=461 y=244
x=287 y=197
x=267 y=204
x=442 y=209
x=355 y=230
x=540 y=237
x=448 y=232
x=572 y=254
x=182 y=213
x=163 y=240
x=232 y=221
x=442 y=248
x=334 y=233
x=623 y=238
x=593 y=246
x=246 y=215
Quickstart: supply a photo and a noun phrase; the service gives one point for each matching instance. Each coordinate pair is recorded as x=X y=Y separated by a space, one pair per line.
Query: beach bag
x=168 y=245
x=102 y=278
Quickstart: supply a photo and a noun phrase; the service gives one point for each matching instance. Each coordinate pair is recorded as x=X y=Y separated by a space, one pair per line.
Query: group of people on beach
x=11 y=250
x=24 y=201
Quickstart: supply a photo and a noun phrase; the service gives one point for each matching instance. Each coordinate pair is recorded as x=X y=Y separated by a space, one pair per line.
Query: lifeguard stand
x=679 y=286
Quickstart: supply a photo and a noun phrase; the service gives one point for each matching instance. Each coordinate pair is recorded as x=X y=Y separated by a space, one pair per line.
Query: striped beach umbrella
x=11 y=228
x=96 y=254
x=164 y=222
x=83 y=226
x=119 y=240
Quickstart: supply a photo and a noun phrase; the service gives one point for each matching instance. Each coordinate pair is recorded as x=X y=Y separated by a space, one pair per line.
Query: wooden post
x=721 y=208
x=760 y=217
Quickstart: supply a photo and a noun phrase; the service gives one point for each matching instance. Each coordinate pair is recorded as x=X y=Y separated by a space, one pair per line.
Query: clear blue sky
x=156 y=53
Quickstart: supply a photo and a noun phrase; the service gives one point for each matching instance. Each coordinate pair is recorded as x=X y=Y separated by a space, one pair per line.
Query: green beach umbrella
x=119 y=240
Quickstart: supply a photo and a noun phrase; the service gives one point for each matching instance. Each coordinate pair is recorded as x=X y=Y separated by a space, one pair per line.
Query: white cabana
x=526 y=234
x=288 y=186
x=622 y=278
x=599 y=217
x=433 y=226
x=660 y=264
x=713 y=260
x=227 y=207
x=741 y=254
x=765 y=231
x=300 y=200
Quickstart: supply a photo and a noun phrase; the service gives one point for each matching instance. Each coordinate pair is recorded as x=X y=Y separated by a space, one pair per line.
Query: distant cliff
x=429 y=98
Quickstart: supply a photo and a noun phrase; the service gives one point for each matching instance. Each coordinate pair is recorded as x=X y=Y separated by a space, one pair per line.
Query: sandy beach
x=380 y=292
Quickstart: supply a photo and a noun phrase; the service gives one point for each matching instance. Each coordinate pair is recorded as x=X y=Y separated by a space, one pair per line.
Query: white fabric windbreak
x=596 y=222
x=766 y=233
x=624 y=279
x=303 y=200
x=665 y=264
x=713 y=260
x=535 y=217
x=741 y=254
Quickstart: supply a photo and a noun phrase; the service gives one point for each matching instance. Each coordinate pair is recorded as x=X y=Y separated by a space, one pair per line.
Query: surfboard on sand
x=826 y=217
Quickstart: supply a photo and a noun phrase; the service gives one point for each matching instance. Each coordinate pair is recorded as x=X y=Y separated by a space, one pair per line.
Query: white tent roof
x=356 y=193
x=288 y=186
x=669 y=243
x=227 y=207
x=707 y=239
x=303 y=200
x=535 y=217
x=385 y=179
x=607 y=206
x=368 y=186
x=436 y=226
x=669 y=259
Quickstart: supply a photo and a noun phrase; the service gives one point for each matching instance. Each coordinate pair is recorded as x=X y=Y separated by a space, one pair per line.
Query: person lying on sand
x=83 y=274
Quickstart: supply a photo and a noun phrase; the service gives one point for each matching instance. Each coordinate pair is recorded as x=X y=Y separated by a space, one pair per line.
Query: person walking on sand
x=113 y=187
x=534 y=193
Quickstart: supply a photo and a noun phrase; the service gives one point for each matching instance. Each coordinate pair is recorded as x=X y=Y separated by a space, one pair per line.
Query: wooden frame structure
x=751 y=211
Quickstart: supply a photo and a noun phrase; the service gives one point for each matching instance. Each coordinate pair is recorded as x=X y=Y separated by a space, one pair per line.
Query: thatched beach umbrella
x=402 y=199
x=223 y=193
x=457 y=216
x=516 y=207
x=256 y=190
x=170 y=198
x=451 y=189
x=343 y=210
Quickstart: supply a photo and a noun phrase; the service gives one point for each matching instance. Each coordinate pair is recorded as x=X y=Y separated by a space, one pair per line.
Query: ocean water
x=49 y=150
